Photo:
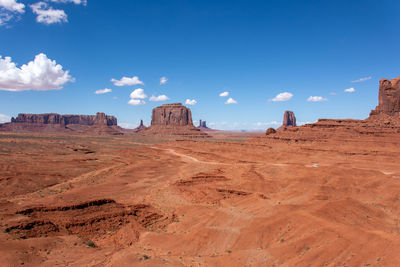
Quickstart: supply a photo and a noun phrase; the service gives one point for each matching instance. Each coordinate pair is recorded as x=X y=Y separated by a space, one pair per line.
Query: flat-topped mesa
x=171 y=114
x=389 y=97
x=54 y=118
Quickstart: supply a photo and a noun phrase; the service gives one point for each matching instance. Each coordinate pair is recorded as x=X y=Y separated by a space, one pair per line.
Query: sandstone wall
x=172 y=114
x=53 y=118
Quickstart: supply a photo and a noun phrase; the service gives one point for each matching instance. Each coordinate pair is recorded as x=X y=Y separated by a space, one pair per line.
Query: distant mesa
x=171 y=114
x=56 y=123
x=289 y=120
x=173 y=120
x=141 y=127
x=389 y=97
x=203 y=124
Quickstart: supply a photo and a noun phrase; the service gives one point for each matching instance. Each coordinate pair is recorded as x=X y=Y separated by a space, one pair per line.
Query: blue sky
x=255 y=50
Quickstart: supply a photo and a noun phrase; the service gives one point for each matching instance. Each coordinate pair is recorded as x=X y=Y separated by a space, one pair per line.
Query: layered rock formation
x=289 y=120
x=389 y=97
x=173 y=120
x=54 y=118
x=56 y=123
x=172 y=114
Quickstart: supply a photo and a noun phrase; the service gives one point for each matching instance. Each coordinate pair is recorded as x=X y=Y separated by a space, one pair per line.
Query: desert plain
x=236 y=199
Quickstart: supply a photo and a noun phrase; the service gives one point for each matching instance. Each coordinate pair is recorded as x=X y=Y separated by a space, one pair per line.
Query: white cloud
x=48 y=15
x=9 y=9
x=4 y=118
x=163 y=80
x=231 y=101
x=78 y=2
x=12 y=5
x=285 y=96
x=127 y=81
x=127 y=125
x=332 y=93
x=350 y=90
x=159 y=98
x=40 y=74
x=190 y=102
x=103 y=91
x=223 y=94
x=136 y=102
x=316 y=99
x=138 y=94
x=362 y=79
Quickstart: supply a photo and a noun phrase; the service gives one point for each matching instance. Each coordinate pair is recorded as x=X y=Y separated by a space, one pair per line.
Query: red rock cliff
x=172 y=114
x=389 y=97
x=53 y=118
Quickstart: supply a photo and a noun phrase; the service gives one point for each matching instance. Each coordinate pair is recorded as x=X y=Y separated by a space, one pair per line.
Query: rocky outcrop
x=270 y=131
x=56 y=123
x=389 y=97
x=54 y=118
x=174 y=120
x=172 y=114
x=141 y=127
x=289 y=120
x=203 y=124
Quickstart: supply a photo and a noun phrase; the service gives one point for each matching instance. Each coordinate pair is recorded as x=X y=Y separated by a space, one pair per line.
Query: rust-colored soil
x=302 y=197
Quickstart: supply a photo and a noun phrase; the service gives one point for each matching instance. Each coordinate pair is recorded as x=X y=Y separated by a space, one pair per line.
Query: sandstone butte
x=289 y=120
x=56 y=123
x=173 y=120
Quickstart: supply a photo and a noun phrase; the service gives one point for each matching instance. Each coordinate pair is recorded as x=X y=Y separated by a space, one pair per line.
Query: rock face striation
x=172 y=114
x=173 y=120
x=54 y=118
x=389 y=97
x=56 y=123
x=289 y=120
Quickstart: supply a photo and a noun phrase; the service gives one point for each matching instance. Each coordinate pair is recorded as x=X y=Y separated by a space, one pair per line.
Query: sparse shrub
x=90 y=244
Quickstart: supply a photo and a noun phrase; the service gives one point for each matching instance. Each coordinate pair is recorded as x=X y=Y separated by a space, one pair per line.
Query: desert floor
x=224 y=201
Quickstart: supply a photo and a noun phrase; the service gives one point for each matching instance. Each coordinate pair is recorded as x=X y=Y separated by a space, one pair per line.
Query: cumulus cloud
x=124 y=81
x=231 y=101
x=48 y=15
x=362 y=79
x=138 y=93
x=137 y=97
x=163 y=80
x=285 y=96
x=40 y=74
x=158 y=98
x=103 y=91
x=136 y=102
x=12 y=5
x=78 y=2
x=224 y=94
x=4 y=118
x=350 y=90
x=316 y=99
x=190 y=102
x=9 y=9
